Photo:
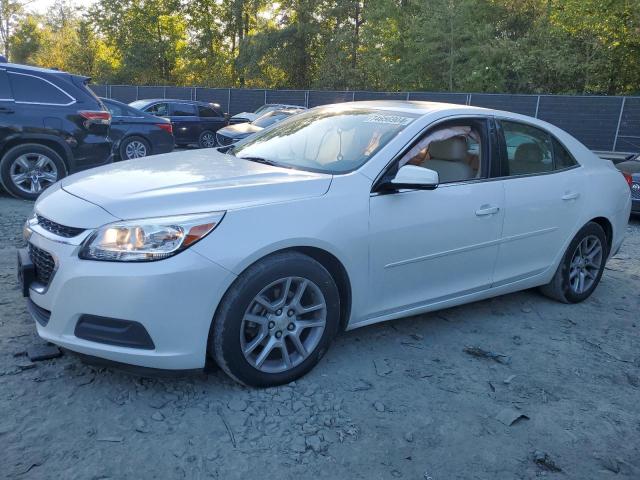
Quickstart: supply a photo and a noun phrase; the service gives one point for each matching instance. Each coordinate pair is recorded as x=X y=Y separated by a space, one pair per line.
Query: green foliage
x=523 y=46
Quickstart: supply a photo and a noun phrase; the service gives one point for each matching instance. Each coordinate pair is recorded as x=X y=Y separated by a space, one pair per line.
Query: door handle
x=570 y=196
x=6 y=110
x=487 y=210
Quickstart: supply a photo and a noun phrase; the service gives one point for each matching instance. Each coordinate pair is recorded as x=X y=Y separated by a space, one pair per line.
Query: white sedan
x=340 y=217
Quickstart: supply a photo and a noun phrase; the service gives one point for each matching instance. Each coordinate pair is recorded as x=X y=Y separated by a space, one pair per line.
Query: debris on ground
x=544 y=461
x=382 y=367
x=509 y=416
x=481 y=353
x=38 y=353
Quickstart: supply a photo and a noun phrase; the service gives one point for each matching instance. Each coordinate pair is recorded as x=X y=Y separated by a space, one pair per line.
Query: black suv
x=193 y=122
x=51 y=125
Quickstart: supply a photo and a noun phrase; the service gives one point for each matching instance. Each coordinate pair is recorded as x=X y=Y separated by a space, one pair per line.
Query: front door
x=429 y=246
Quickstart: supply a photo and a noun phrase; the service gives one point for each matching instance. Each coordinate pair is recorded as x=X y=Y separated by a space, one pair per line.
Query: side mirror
x=414 y=177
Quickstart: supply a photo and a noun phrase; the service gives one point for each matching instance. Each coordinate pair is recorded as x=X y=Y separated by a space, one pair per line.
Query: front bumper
x=173 y=299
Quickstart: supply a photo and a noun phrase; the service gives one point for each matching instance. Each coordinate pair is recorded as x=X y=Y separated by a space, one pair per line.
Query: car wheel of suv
x=276 y=321
x=134 y=147
x=26 y=170
x=207 y=139
x=581 y=267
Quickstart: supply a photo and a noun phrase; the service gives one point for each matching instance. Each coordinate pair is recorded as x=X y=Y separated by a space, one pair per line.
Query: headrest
x=452 y=149
x=528 y=153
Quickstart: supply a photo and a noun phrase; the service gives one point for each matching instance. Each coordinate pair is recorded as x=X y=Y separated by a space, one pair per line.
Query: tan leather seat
x=448 y=159
x=527 y=159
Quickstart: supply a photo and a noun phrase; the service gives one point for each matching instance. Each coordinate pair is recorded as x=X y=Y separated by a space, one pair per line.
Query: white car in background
x=336 y=218
x=264 y=109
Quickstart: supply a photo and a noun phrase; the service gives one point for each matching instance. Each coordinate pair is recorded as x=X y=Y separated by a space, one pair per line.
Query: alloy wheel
x=283 y=324
x=33 y=172
x=208 y=140
x=135 y=149
x=585 y=264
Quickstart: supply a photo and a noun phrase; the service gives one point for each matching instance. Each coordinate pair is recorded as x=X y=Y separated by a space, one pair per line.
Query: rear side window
x=158 y=109
x=5 y=89
x=183 y=110
x=529 y=149
x=29 y=88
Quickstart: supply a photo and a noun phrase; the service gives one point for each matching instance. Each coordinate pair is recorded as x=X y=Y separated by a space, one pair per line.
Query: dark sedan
x=137 y=134
x=193 y=122
x=631 y=171
x=233 y=133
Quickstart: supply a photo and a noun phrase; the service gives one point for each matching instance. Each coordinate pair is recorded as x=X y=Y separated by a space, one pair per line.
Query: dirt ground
x=396 y=400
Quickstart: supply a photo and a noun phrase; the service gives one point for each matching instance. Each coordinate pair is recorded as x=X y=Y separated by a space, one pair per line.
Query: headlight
x=148 y=239
x=26 y=229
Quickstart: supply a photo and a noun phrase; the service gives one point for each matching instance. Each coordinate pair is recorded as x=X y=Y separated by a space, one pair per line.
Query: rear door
x=543 y=196
x=186 y=123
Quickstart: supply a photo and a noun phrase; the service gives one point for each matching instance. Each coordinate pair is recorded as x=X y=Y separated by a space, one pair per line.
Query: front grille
x=635 y=191
x=43 y=263
x=57 y=229
x=223 y=140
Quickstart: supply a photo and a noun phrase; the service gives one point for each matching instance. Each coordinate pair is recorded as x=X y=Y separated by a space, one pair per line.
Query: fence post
x=615 y=140
x=137 y=96
x=164 y=92
x=537 y=106
x=228 y=100
x=306 y=99
x=353 y=95
x=468 y=99
x=265 y=96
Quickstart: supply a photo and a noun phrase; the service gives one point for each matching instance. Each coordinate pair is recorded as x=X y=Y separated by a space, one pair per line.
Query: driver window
x=452 y=150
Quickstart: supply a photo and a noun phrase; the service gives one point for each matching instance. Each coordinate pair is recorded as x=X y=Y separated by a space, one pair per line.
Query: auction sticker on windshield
x=388 y=119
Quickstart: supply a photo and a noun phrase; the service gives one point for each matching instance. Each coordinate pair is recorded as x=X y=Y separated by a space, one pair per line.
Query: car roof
x=176 y=100
x=30 y=68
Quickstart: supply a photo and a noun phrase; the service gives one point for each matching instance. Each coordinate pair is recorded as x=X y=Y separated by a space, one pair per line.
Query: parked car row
x=53 y=125
x=629 y=165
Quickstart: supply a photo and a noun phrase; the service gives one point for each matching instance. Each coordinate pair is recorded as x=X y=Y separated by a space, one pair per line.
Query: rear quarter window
x=29 y=88
x=562 y=157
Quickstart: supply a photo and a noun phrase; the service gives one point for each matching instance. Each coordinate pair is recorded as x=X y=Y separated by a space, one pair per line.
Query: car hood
x=248 y=115
x=190 y=182
x=239 y=130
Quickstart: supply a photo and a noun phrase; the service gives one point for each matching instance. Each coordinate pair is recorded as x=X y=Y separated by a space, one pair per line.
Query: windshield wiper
x=262 y=160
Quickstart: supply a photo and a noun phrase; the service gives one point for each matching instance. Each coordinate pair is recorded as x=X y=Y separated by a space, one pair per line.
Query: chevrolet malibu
x=340 y=217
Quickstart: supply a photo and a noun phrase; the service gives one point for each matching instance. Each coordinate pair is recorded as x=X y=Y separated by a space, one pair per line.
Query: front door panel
x=432 y=245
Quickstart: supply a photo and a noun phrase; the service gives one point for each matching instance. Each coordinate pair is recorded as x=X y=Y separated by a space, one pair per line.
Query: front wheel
x=207 y=139
x=276 y=321
x=581 y=267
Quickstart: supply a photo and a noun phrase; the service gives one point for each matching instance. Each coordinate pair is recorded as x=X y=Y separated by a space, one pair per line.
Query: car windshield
x=328 y=140
x=270 y=118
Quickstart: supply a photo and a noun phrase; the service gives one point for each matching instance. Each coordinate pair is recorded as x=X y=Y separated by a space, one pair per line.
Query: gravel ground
x=396 y=400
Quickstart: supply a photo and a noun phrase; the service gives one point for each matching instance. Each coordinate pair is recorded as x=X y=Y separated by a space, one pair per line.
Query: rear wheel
x=581 y=267
x=207 y=139
x=276 y=321
x=27 y=170
x=134 y=147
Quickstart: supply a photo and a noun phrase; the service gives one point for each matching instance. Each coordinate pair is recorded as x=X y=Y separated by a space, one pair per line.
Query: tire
x=134 y=147
x=40 y=167
x=231 y=332
x=207 y=139
x=565 y=284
